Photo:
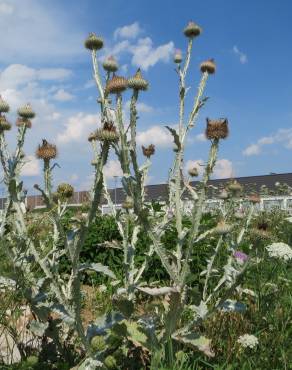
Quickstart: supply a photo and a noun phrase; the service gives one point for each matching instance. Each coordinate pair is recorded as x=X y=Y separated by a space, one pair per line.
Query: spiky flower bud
x=217 y=129
x=192 y=30
x=239 y=215
x=137 y=82
x=46 y=151
x=26 y=112
x=98 y=343
x=222 y=228
x=110 y=362
x=116 y=85
x=235 y=187
x=4 y=124
x=23 y=122
x=128 y=203
x=93 y=42
x=110 y=64
x=4 y=106
x=193 y=172
x=208 y=66
x=177 y=58
x=148 y=151
x=65 y=191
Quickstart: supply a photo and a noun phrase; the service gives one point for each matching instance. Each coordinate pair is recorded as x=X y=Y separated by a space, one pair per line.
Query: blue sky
x=43 y=61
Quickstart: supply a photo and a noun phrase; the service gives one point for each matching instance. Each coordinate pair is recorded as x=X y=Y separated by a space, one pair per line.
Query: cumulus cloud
x=223 y=169
x=130 y=31
x=31 y=167
x=141 y=107
x=62 y=95
x=282 y=137
x=145 y=55
x=112 y=168
x=242 y=57
x=6 y=8
x=77 y=128
x=156 y=135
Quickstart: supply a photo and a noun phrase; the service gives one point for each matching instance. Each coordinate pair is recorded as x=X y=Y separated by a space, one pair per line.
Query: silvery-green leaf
x=98 y=267
x=90 y=364
x=158 y=291
x=201 y=310
x=63 y=313
x=7 y=283
x=38 y=328
x=196 y=341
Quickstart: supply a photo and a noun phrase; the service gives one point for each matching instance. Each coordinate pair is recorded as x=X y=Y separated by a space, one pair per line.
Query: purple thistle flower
x=240 y=256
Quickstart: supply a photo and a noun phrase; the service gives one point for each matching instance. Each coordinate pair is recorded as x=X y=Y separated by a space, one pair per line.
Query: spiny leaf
x=175 y=136
x=98 y=267
x=158 y=291
x=196 y=341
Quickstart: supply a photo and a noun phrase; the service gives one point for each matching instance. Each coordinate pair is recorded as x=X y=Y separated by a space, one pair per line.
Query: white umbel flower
x=280 y=250
x=248 y=341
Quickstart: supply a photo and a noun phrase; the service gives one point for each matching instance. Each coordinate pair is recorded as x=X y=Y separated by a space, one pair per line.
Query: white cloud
x=141 y=107
x=78 y=127
x=201 y=137
x=156 y=135
x=282 y=136
x=6 y=8
x=242 y=57
x=130 y=31
x=31 y=167
x=145 y=55
x=223 y=169
x=62 y=95
x=112 y=168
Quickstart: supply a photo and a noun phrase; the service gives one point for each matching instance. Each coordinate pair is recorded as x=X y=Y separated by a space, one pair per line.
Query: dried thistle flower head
x=192 y=30
x=177 y=58
x=128 y=203
x=116 y=85
x=137 y=82
x=254 y=198
x=148 y=151
x=4 y=124
x=217 y=129
x=65 y=191
x=193 y=172
x=46 y=151
x=208 y=66
x=235 y=187
x=222 y=228
x=107 y=133
x=26 y=112
x=23 y=122
x=4 y=106
x=110 y=64
x=93 y=42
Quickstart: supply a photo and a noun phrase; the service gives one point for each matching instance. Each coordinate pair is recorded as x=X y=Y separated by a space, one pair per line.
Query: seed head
x=4 y=107
x=26 y=112
x=116 y=85
x=110 y=64
x=107 y=133
x=235 y=187
x=128 y=203
x=137 y=82
x=46 y=151
x=223 y=194
x=93 y=42
x=192 y=30
x=148 y=151
x=217 y=129
x=4 y=124
x=208 y=66
x=222 y=228
x=193 y=172
x=65 y=191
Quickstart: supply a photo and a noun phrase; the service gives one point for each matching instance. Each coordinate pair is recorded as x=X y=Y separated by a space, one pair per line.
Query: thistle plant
x=58 y=294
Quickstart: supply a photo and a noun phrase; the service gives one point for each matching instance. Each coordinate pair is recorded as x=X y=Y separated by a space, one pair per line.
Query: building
x=275 y=190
